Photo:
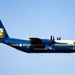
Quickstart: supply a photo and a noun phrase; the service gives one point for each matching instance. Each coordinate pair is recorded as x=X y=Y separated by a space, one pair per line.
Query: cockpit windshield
x=73 y=42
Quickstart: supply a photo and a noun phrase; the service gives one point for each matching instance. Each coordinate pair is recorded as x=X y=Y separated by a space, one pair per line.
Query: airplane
x=37 y=45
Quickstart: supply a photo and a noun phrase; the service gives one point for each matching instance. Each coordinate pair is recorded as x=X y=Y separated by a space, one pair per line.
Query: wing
x=36 y=42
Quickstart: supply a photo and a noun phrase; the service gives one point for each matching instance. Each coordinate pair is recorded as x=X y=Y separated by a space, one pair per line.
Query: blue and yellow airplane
x=37 y=45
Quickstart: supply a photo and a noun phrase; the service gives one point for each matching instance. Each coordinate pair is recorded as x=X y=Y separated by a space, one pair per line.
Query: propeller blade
x=52 y=41
x=51 y=37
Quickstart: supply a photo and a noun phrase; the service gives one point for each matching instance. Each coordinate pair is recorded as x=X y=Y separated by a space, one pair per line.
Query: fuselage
x=60 y=46
x=37 y=45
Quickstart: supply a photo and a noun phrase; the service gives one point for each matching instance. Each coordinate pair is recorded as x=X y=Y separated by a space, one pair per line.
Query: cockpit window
x=73 y=42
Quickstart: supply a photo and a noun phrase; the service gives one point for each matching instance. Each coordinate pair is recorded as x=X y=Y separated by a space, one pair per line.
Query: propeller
x=58 y=38
x=52 y=41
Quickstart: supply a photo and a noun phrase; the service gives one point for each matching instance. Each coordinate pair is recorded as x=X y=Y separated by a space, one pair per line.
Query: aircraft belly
x=56 y=49
x=63 y=48
x=23 y=48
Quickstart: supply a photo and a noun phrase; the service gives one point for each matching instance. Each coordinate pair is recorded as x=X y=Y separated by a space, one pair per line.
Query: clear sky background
x=41 y=18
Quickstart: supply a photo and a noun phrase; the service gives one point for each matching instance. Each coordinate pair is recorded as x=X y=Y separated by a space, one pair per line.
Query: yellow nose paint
x=1 y=34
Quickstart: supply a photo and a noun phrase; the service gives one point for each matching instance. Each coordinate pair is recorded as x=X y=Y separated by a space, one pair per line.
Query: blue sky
x=41 y=18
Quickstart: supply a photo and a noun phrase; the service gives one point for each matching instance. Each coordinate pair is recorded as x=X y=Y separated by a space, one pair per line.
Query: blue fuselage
x=25 y=46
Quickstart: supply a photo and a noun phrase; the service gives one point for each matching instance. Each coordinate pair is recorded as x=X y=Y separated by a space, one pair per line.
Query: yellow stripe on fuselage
x=13 y=44
x=64 y=44
x=42 y=45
